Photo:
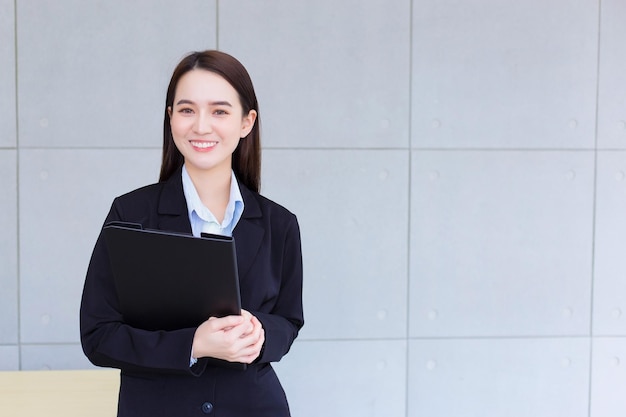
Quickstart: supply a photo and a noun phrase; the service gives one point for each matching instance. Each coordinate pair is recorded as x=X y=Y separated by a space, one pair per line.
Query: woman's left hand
x=232 y=338
x=256 y=334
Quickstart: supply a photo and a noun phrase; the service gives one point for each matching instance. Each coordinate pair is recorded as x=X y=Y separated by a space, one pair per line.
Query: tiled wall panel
x=505 y=74
x=111 y=62
x=608 y=377
x=65 y=196
x=325 y=75
x=53 y=357
x=8 y=247
x=609 y=285
x=501 y=243
x=612 y=88
x=348 y=378
x=7 y=74
x=499 y=377
x=9 y=358
x=353 y=219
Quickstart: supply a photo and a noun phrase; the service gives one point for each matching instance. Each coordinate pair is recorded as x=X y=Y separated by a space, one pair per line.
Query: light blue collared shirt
x=201 y=218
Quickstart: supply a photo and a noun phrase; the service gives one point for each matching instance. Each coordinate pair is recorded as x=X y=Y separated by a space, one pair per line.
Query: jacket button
x=207 y=408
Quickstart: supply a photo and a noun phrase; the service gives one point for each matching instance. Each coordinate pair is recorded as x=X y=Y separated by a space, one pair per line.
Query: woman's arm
x=107 y=341
x=283 y=322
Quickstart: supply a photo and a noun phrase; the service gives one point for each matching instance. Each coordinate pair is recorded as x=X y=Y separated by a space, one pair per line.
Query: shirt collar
x=234 y=209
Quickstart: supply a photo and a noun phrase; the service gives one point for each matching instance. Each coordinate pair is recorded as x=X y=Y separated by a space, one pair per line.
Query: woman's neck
x=213 y=188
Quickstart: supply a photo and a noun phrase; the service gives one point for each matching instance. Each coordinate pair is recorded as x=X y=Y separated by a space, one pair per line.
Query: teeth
x=203 y=144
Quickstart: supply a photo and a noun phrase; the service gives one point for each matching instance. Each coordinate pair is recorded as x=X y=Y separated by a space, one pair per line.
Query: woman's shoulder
x=147 y=204
x=140 y=203
x=268 y=206
x=146 y=192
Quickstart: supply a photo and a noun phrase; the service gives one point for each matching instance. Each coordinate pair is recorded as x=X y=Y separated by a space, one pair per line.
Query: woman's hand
x=232 y=338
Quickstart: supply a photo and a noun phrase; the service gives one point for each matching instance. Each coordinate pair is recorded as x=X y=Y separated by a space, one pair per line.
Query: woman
x=209 y=182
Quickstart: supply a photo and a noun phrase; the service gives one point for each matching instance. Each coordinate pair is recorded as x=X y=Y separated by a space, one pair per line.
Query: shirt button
x=207 y=408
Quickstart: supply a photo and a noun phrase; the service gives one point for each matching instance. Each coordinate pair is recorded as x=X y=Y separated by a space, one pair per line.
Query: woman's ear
x=248 y=123
x=169 y=111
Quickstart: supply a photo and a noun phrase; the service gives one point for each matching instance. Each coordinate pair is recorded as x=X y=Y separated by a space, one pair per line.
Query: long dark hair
x=247 y=156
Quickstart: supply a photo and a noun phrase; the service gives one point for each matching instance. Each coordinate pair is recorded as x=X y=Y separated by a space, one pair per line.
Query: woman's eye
x=185 y=110
x=220 y=112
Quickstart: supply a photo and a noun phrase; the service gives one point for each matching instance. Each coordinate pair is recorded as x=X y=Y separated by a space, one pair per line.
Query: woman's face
x=207 y=121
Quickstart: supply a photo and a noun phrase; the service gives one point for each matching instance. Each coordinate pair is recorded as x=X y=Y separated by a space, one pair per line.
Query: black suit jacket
x=156 y=379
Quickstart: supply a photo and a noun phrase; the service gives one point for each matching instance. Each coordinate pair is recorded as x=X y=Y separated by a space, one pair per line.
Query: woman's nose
x=203 y=124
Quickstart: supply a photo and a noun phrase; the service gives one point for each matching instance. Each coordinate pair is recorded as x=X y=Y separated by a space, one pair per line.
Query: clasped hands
x=231 y=338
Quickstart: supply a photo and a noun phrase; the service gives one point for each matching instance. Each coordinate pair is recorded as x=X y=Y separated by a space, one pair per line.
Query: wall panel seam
x=409 y=215
x=217 y=24
x=594 y=213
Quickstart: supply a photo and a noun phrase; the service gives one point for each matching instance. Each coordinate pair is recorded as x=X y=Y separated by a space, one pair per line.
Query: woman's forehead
x=201 y=85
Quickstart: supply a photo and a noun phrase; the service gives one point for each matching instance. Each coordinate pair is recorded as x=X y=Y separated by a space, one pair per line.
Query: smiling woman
x=207 y=123
x=209 y=182
x=247 y=156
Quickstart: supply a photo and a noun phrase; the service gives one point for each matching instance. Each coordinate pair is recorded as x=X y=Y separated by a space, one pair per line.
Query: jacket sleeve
x=283 y=322
x=107 y=341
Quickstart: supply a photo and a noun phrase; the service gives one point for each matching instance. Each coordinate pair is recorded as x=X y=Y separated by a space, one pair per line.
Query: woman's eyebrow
x=220 y=103
x=183 y=101
x=211 y=103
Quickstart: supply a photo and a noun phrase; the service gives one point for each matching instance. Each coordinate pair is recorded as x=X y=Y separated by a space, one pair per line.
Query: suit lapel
x=173 y=215
x=248 y=233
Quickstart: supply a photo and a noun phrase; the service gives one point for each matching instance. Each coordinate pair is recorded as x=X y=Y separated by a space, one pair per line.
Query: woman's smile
x=202 y=146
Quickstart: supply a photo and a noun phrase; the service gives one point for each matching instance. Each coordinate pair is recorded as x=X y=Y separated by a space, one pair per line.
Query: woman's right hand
x=231 y=338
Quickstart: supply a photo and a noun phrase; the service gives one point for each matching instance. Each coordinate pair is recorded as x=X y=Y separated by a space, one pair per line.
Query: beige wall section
x=59 y=393
x=458 y=169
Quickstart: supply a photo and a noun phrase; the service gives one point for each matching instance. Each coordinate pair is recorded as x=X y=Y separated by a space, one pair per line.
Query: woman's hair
x=247 y=156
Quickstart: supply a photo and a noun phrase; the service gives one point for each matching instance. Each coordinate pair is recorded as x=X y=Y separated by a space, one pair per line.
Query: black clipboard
x=170 y=281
